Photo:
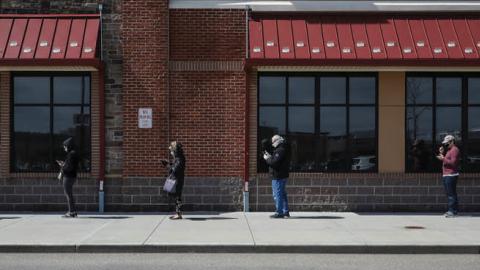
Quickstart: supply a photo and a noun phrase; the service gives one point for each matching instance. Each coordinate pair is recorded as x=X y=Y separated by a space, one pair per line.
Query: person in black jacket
x=69 y=174
x=279 y=162
x=176 y=170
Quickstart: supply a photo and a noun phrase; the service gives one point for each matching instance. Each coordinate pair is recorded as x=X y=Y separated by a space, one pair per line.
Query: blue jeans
x=450 y=184
x=280 y=196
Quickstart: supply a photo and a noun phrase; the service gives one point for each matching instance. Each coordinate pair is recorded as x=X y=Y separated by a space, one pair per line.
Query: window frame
x=317 y=106
x=463 y=105
x=51 y=107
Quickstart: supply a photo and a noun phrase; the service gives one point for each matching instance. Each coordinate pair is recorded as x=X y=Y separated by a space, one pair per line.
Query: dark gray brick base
x=366 y=192
x=315 y=192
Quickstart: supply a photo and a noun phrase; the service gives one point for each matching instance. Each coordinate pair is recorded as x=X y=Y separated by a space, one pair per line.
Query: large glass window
x=437 y=105
x=329 y=120
x=47 y=109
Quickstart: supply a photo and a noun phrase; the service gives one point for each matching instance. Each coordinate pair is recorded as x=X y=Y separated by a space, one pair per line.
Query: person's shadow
x=316 y=217
x=208 y=218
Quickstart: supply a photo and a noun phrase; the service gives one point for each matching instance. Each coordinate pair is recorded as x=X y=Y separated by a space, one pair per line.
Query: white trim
x=330 y=6
x=452 y=174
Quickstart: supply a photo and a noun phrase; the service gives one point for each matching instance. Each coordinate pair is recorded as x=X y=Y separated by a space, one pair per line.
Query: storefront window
x=329 y=120
x=47 y=109
x=438 y=105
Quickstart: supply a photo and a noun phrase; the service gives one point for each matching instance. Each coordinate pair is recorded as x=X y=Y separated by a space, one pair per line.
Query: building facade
x=363 y=91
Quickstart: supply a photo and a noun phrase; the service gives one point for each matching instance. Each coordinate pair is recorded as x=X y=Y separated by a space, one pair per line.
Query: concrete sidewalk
x=304 y=232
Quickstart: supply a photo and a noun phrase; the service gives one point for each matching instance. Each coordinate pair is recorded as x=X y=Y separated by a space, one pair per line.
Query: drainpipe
x=246 y=201
x=101 y=93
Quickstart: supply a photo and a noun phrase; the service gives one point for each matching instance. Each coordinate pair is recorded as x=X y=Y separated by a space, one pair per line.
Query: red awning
x=48 y=37
x=371 y=38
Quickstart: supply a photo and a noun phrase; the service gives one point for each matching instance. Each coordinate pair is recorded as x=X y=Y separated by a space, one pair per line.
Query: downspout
x=101 y=94
x=246 y=196
x=168 y=80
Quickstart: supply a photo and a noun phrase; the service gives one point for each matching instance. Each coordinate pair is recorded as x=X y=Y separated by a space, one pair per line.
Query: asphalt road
x=79 y=261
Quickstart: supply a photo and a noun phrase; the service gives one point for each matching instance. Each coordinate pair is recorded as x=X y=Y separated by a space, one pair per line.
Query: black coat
x=279 y=162
x=70 y=166
x=177 y=172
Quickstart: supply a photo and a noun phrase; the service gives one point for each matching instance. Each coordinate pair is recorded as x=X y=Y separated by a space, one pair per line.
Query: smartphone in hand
x=164 y=162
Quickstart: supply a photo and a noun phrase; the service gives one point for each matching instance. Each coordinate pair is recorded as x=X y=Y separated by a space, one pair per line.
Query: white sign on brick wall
x=145 y=118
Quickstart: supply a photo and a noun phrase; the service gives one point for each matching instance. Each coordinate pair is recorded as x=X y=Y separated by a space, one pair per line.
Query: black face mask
x=445 y=146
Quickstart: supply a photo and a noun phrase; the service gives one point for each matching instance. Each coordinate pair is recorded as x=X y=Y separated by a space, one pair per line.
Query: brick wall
x=210 y=35
x=207 y=117
x=145 y=81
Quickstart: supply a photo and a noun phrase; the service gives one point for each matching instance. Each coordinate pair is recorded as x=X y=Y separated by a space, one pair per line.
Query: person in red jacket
x=450 y=157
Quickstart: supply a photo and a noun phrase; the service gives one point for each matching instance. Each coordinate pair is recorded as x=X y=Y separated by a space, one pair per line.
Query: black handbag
x=170 y=185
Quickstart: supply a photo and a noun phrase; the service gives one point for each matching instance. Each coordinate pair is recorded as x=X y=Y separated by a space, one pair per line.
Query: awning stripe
x=364 y=37
x=48 y=36
x=75 y=41
x=16 y=37
x=31 y=37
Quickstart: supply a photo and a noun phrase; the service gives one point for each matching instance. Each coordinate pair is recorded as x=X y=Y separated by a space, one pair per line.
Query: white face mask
x=65 y=148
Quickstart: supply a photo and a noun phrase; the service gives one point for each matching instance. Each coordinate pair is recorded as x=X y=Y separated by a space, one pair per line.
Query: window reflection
x=318 y=135
x=428 y=125
x=419 y=90
x=301 y=120
x=449 y=90
x=301 y=138
x=32 y=90
x=31 y=139
x=333 y=90
x=474 y=91
x=362 y=90
x=67 y=90
x=273 y=90
x=333 y=139
x=301 y=90
x=473 y=145
x=40 y=126
x=449 y=121
x=362 y=138
x=271 y=121
x=419 y=138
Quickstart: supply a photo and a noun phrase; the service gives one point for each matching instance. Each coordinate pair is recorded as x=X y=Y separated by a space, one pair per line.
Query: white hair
x=277 y=140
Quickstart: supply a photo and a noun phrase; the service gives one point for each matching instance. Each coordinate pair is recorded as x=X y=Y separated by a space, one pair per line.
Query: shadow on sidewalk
x=316 y=217
x=9 y=218
x=208 y=218
x=105 y=217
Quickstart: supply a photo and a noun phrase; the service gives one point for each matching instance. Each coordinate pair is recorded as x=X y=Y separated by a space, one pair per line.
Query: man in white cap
x=279 y=162
x=450 y=157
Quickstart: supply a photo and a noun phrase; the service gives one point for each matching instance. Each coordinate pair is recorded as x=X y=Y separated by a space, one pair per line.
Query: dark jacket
x=177 y=171
x=70 y=167
x=279 y=162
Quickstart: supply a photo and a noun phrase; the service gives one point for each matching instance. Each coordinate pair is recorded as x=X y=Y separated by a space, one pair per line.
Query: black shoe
x=276 y=215
x=287 y=215
x=70 y=215
x=176 y=217
x=450 y=214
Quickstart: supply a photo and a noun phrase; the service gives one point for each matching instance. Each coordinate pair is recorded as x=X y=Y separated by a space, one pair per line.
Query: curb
x=325 y=249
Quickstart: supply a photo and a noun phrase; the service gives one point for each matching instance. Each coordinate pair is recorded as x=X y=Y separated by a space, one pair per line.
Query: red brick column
x=145 y=76
x=4 y=124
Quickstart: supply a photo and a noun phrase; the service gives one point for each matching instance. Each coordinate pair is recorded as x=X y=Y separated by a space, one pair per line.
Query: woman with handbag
x=176 y=172
x=68 y=173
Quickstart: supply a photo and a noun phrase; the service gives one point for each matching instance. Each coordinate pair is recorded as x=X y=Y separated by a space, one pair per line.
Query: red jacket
x=451 y=161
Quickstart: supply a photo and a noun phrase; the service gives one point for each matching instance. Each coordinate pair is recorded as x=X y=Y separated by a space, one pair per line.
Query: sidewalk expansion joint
x=154 y=230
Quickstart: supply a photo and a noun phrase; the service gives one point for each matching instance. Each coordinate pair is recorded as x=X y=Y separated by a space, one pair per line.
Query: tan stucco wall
x=391 y=121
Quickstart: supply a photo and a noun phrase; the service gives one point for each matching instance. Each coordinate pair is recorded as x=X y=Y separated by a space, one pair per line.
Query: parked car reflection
x=364 y=163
